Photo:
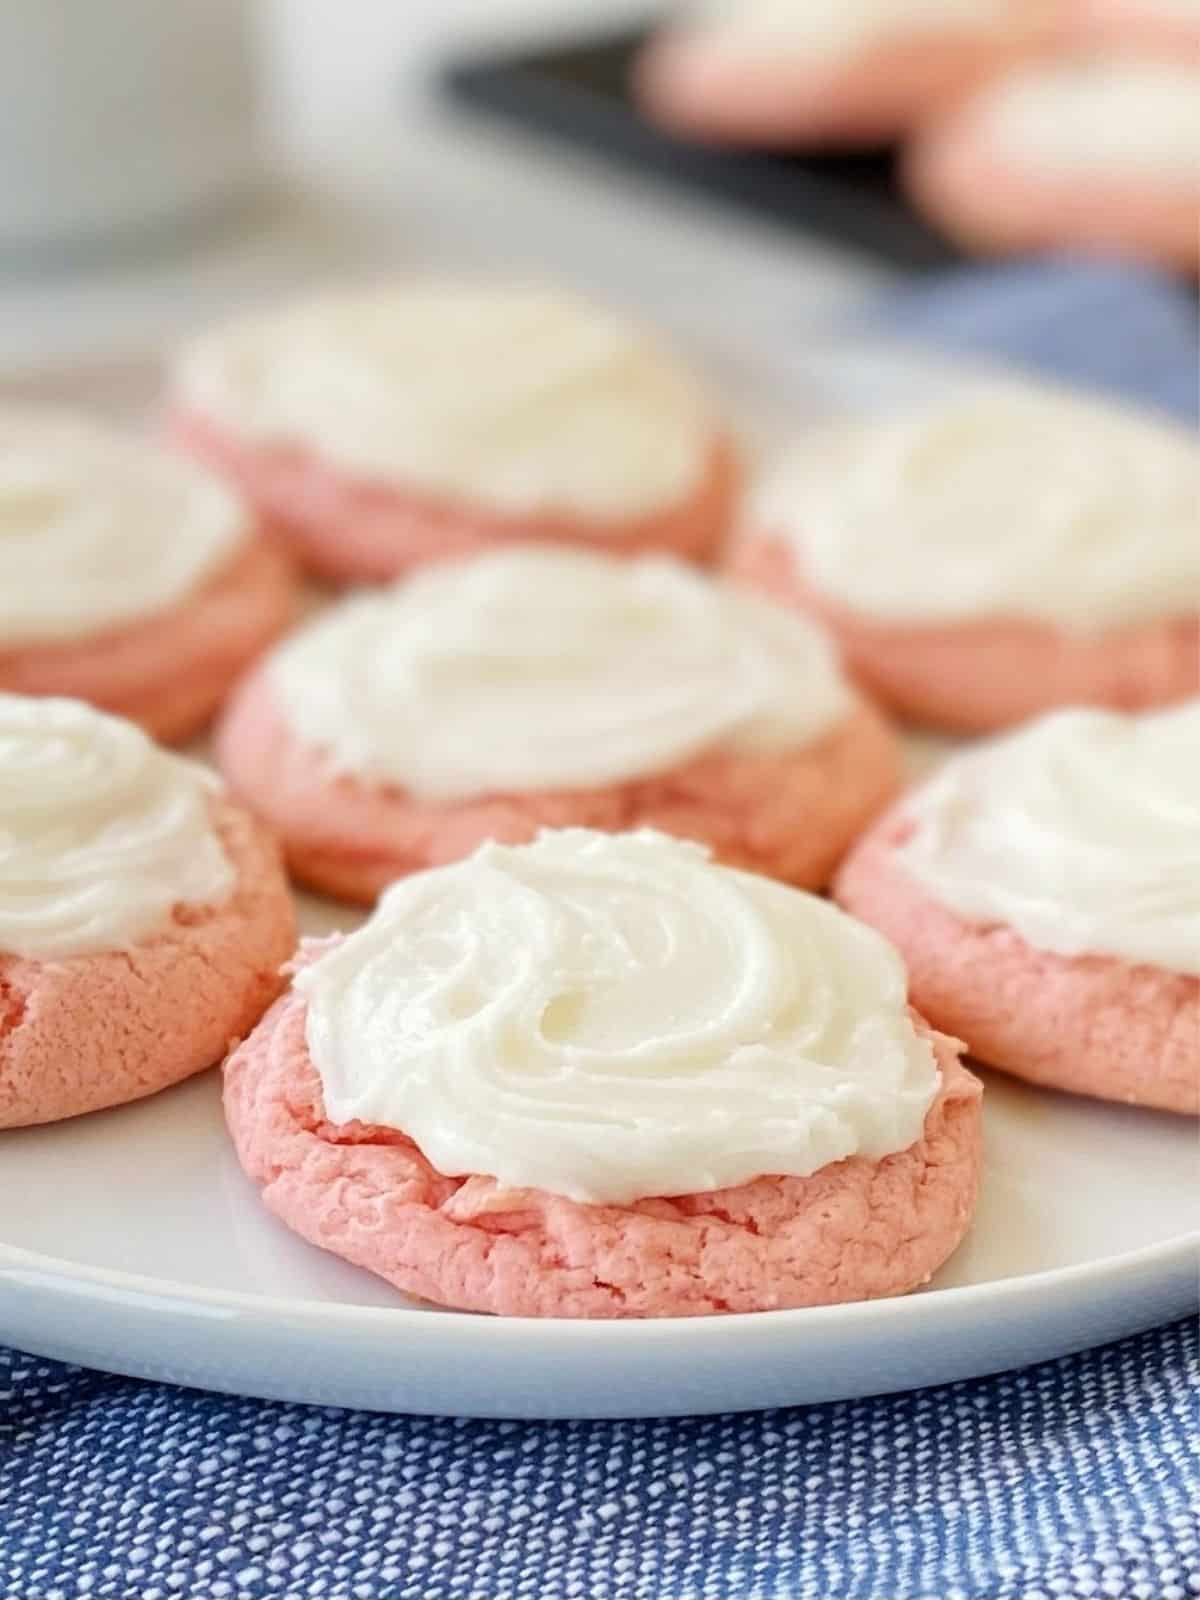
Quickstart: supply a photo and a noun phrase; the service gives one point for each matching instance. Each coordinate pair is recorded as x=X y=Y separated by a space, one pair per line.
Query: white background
x=379 y=175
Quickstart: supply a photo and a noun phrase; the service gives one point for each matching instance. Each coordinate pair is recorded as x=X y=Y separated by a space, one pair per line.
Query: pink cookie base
x=989 y=205
x=357 y=532
x=790 y=815
x=695 y=85
x=98 y=1030
x=1137 y=25
x=855 y=1230
x=1094 y=1025
x=977 y=677
x=170 y=672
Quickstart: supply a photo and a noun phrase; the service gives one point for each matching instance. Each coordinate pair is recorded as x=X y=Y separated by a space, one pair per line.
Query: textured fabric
x=1107 y=325
x=1078 y=1478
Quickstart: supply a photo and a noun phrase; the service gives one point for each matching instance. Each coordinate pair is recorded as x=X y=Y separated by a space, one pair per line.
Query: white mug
x=120 y=115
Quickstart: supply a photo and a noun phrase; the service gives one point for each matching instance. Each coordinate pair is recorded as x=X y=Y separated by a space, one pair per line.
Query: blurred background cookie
x=794 y=72
x=1094 y=153
x=1169 y=27
x=132 y=578
x=378 y=430
x=978 y=561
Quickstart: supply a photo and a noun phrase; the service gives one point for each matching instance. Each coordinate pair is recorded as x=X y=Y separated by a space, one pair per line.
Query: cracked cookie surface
x=854 y=1230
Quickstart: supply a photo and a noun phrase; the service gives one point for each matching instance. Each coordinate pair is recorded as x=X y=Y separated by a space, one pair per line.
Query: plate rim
x=1162 y=1259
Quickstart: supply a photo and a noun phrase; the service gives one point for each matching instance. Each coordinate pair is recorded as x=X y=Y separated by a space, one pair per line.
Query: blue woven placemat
x=1075 y=1480
x=1111 y=326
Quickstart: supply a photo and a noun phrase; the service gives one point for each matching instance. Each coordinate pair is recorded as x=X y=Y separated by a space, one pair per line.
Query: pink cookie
x=712 y=84
x=91 y=1031
x=975 y=677
x=1162 y=26
x=168 y=672
x=854 y=1230
x=1095 y=1025
x=990 y=201
x=789 y=815
x=351 y=531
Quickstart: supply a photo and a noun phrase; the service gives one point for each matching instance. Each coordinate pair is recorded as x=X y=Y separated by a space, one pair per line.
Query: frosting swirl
x=101 y=832
x=1081 y=831
x=543 y=669
x=1136 y=119
x=134 y=527
x=1008 y=502
x=522 y=399
x=612 y=1016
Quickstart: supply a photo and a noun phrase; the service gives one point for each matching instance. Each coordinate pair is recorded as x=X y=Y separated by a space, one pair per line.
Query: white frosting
x=1081 y=831
x=98 y=528
x=835 y=28
x=551 y=669
x=523 y=400
x=1127 y=117
x=101 y=832
x=612 y=1016
x=1007 y=502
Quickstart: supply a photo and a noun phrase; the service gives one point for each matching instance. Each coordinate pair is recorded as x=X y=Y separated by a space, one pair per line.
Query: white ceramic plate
x=130 y=1240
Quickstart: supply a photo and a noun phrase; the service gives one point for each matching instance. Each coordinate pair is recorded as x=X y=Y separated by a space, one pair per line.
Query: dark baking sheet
x=577 y=93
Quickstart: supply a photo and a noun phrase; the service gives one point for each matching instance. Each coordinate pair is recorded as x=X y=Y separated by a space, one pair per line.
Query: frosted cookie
x=540 y=687
x=792 y=72
x=383 y=429
x=1016 y=550
x=143 y=918
x=598 y=1076
x=1044 y=891
x=1087 y=153
x=132 y=578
